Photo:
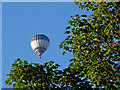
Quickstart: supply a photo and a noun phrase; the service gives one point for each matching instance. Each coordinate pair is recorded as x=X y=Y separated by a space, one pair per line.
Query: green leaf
x=71 y=65
x=68 y=27
x=67 y=32
x=64 y=52
x=61 y=45
x=84 y=15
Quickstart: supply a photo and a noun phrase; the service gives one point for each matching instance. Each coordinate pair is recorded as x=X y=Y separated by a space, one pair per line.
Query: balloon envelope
x=40 y=43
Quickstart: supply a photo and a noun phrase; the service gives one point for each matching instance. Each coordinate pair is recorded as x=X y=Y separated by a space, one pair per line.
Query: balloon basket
x=40 y=57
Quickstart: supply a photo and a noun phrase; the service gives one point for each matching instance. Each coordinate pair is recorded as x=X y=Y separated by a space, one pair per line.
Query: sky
x=22 y=20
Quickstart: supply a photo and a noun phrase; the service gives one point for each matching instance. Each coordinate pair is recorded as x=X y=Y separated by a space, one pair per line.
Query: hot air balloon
x=40 y=43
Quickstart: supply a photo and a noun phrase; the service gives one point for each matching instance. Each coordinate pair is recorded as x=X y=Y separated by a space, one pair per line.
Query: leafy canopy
x=46 y=76
x=95 y=43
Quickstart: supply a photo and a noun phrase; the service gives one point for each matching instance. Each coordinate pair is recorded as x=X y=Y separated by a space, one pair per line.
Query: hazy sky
x=21 y=21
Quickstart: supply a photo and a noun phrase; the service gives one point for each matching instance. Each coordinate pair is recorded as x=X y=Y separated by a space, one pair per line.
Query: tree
x=46 y=76
x=33 y=75
x=95 y=43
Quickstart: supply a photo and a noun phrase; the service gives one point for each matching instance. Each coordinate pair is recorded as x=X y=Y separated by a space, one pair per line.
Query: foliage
x=37 y=76
x=95 y=43
x=74 y=79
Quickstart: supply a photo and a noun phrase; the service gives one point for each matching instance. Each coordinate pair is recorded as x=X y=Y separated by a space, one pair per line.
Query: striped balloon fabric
x=40 y=43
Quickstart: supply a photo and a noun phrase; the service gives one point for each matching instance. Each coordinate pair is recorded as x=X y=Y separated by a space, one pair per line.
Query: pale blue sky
x=21 y=21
